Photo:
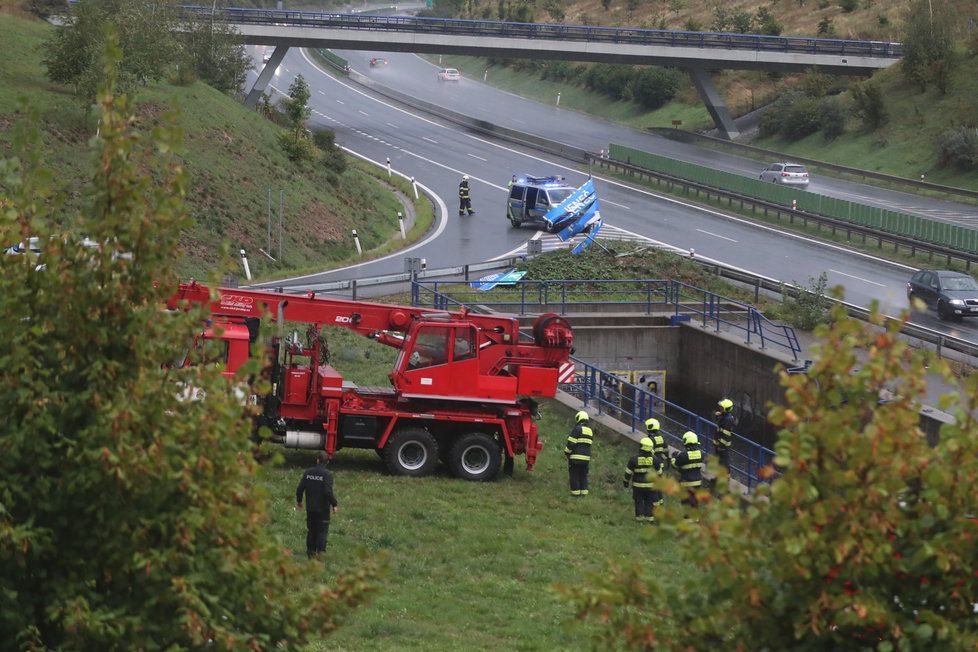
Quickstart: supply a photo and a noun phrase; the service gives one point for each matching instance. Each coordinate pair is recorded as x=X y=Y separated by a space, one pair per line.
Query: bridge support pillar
x=265 y=76
x=714 y=103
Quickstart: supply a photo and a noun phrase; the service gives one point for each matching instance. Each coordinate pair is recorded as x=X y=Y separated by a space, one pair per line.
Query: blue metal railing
x=632 y=405
x=631 y=36
x=706 y=307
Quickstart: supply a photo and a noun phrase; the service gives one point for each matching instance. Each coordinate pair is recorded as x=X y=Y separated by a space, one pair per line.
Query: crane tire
x=411 y=452
x=475 y=456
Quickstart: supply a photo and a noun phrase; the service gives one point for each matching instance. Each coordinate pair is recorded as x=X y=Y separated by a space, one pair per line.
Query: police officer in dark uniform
x=725 y=426
x=578 y=453
x=642 y=471
x=464 y=201
x=317 y=485
x=690 y=466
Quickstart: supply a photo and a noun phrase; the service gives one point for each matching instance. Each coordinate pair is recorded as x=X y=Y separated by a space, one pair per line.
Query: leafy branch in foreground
x=129 y=518
x=867 y=541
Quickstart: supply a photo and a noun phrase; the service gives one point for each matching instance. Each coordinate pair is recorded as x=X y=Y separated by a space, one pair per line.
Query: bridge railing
x=562 y=296
x=631 y=36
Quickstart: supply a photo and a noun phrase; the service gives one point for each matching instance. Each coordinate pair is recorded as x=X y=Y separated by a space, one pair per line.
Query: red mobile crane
x=463 y=383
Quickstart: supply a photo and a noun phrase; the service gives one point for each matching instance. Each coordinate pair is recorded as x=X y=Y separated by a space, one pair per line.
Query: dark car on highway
x=954 y=295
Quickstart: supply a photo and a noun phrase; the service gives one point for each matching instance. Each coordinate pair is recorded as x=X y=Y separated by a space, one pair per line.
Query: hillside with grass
x=233 y=157
x=908 y=144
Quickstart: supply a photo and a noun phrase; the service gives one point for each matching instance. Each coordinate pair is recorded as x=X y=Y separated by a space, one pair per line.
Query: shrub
x=772 y=121
x=958 y=148
x=693 y=25
x=810 y=307
x=741 y=22
x=870 y=106
x=297 y=145
x=823 y=4
x=848 y=6
x=802 y=119
x=832 y=117
x=767 y=23
x=653 y=87
x=826 y=28
x=332 y=156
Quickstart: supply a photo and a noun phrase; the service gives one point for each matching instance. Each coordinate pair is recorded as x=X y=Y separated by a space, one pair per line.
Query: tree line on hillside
x=203 y=49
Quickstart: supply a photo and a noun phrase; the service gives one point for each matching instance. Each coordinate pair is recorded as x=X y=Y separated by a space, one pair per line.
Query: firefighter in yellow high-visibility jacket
x=642 y=471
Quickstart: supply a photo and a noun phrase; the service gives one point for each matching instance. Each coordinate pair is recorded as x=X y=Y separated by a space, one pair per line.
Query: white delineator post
x=400 y=222
x=356 y=241
x=244 y=261
x=388 y=167
x=414 y=184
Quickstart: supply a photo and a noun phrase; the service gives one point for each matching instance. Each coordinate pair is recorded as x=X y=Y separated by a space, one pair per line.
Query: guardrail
x=334 y=59
x=781 y=211
x=562 y=296
x=632 y=405
x=909 y=184
x=554 y=32
x=902 y=224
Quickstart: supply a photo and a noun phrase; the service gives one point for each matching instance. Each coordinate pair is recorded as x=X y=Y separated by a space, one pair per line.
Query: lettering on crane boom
x=236 y=302
x=343 y=319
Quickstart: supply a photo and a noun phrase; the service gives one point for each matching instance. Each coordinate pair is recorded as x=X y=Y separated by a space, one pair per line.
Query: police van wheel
x=515 y=222
x=411 y=452
x=475 y=456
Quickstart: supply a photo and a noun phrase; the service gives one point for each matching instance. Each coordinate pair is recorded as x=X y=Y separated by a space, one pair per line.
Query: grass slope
x=233 y=158
x=472 y=566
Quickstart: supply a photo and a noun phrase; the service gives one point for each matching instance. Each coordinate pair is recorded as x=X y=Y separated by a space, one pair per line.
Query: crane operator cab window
x=430 y=348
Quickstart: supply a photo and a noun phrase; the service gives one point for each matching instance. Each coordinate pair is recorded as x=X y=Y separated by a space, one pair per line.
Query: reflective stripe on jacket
x=690 y=465
x=725 y=427
x=463 y=191
x=642 y=470
x=659 y=447
x=579 y=443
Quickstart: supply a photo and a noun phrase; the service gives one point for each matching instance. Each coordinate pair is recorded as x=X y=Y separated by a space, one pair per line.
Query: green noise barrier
x=911 y=226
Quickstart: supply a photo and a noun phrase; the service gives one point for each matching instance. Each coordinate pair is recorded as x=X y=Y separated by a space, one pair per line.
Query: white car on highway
x=449 y=74
x=788 y=174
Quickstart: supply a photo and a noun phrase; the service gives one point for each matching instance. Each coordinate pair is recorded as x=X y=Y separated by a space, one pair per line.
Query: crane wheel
x=475 y=456
x=411 y=452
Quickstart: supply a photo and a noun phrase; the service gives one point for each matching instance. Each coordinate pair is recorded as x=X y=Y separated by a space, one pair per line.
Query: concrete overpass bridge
x=696 y=52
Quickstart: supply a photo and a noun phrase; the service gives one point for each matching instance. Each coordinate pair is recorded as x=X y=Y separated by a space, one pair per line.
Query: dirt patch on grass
x=321 y=224
x=148 y=113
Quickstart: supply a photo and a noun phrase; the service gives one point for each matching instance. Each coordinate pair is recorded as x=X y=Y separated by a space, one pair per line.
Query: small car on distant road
x=449 y=74
x=378 y=61
x=788 y=174
x=953 y=294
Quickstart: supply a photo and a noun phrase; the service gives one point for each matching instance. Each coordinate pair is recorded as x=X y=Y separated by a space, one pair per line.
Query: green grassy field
x=471 y=566
x=233 y=158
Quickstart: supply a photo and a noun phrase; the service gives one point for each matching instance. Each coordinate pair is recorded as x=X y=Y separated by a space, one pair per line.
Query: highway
x=438 y=153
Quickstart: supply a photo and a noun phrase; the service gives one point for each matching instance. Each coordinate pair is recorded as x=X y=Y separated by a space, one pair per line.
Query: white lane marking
x=391 y=124
x=362 y=112
x=605 y=201
x=320 y=92
x=715 y=235
x=340 y=102
x=479 y=157
x=858 y=278
x=429 y=140
x=442 y=223
x=613 y=182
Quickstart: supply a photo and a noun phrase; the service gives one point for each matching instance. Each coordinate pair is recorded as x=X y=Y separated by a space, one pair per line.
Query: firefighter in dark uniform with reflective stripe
x=578 y=453
x=464 y=201
x=725 y=426
x=317 y=485
x=660 y=450
x=690 y=466
x=642 y=471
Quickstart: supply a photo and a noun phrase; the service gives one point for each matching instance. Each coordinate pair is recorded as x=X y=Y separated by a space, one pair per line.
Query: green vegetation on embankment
x=232 y=155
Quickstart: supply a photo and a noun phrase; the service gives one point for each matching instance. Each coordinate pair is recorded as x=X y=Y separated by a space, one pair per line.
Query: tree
x=129 y=519
x=868 y=104
x=297 y=106
x=865 y=542
x=145 y=35
x=928 y=47
x=211 y=51
x=653 y=87
x=832 y=117
x=767 y=23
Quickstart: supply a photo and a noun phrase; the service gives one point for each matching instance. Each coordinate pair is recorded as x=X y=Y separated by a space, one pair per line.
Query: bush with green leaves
x=928 y=44
x=869 y=104
x=653 y=87
x=958 y=148
x=832 y=112
x=848 y=6
x=332 y=156
x=802 y=119
x=130 y=516
x=866 y=542
x=809 y=307
x=767 y=23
